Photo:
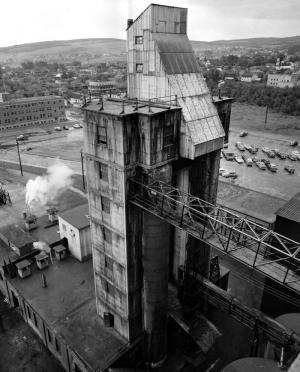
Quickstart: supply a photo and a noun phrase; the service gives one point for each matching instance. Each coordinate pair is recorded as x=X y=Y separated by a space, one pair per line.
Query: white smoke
x=44 y=190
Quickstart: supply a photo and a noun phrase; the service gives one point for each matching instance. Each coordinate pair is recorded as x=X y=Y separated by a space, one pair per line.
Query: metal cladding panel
x=291 y=210
x=176 y=53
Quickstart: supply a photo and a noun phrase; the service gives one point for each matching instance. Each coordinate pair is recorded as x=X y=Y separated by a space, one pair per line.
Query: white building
x=283 y=80
x=74 y=225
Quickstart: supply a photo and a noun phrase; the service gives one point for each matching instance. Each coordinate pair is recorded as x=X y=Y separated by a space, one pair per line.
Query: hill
x=92 y=50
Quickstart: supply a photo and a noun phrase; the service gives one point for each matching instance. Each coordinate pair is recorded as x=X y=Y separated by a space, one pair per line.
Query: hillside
x=102 y=49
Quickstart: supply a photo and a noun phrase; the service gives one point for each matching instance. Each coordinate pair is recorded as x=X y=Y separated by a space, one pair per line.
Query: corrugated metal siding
x=176 y=53
x=291 y=210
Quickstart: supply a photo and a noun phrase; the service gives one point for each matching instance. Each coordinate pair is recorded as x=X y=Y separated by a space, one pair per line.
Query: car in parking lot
x=255 y=159
x=280 y=154
x=58 y=129
x=221 y=171
x=238 y=159
x=77 y=126
x=292 y=157
x=271 y=154
x=240 y=146
x=230 y=174
x=272 y=167
x=249 y=162
x=22 y=137
x=261 y=165
x=253 y=149
x=265 y=149
x=247 y=146
x=65 y=127
x=243 y=133
x=289 y=169
x=297 y=154
x=228 y=155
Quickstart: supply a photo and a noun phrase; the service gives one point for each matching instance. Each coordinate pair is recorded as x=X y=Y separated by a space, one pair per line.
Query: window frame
x=105 y=204
x=168 y=135
x=101 y=137
x=139 y=68
x=107 y=235
x=139 y=39
x=103 y=171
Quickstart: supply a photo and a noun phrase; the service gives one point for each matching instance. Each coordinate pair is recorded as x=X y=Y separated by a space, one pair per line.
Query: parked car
x=221 y=171
x=292 y=157
x=294 y=143
x=65 y=127
x=265 y=150
x=22 y=137
x=243 y=133
x=249 y=162
x=76 y=126
x=272 y=167
x=265 y=161
x=58 y=129
x=280 y=154
x=247 y=146
x=240 y=146
x=253 y=149
x=239 y=159
x=255 y=159
x=297 y=154
x=231 y=174
x=29 y=149
x=228 y=155
x=261 y=165
x=289 y=169
x=271 y=154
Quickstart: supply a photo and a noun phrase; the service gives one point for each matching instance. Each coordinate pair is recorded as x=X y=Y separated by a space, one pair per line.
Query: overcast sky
x=24 y=21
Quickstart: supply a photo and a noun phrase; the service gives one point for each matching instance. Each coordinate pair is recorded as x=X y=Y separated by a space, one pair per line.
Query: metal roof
x=176 y=53
x=291 y=210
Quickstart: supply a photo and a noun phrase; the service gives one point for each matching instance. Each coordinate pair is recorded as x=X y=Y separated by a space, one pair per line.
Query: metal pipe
x=82 y=170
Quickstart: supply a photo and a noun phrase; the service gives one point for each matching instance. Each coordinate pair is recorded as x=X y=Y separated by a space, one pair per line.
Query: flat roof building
x=22 y=112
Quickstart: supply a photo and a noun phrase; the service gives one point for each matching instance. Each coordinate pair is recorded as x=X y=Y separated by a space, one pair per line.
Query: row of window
x=52 y=340
x=27 y=111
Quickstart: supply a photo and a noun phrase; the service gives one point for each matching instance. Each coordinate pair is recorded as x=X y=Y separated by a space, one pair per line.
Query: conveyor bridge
x=267 y=252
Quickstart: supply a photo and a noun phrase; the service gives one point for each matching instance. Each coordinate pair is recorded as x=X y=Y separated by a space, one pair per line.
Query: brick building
x=31 y=111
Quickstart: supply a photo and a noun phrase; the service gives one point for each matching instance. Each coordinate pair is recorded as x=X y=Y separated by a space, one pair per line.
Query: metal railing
x=264 y=250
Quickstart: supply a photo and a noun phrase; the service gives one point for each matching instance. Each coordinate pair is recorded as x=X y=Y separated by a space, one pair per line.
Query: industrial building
x=175 y=279
x=23 y=112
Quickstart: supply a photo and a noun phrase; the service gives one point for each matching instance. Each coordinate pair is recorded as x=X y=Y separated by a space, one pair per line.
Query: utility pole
x=266 y=118
x=82 y=170
x=21 y=169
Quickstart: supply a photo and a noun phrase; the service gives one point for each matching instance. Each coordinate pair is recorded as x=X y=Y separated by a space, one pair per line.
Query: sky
x=25 y=21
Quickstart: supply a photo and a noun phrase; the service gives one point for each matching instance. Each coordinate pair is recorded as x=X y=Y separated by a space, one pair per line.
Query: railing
x=264 y=250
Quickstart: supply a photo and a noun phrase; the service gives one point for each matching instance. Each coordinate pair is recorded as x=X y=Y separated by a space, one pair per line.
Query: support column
x=155 y=266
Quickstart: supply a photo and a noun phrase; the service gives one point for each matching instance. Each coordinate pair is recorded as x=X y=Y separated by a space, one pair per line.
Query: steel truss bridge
x=267 y=252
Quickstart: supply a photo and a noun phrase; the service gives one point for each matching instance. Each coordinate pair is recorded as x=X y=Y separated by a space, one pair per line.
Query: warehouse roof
x=291 y=210
x=77 y=216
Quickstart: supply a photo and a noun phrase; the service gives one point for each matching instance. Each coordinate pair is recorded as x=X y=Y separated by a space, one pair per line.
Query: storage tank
x=252 y=365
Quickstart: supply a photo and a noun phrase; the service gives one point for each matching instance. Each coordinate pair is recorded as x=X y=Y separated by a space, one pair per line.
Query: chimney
x=129 y=22
x=52 y=214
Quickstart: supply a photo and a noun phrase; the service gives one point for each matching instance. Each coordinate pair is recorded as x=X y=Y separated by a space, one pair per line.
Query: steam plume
x=44 y=190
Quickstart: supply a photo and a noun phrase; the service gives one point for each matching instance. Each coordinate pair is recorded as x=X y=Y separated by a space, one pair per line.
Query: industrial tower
x=167 y=129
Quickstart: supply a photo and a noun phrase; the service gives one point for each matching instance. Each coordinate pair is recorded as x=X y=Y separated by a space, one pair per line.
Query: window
x=103 y=171
x=139 y=39
x=107 y=236
x=49 y=335
x=108 y=263
x=28 y=312
x=57 y=345
x=35 y=320
x=168 y=135
x=102 y=135
x=110 y=289
x=139 y=67
x=105 y=204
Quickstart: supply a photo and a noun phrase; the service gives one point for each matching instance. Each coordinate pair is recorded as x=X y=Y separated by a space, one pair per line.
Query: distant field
x=246 y=117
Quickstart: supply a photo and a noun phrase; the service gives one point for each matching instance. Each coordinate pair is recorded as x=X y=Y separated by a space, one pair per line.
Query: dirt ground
x=280 y=184
x=21 y=349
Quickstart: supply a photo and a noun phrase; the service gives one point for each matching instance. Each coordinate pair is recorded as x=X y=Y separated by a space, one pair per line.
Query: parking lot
x=280 y=184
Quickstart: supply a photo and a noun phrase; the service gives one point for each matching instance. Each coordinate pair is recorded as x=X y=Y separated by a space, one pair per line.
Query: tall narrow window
x=105 y=204
x=102 y=135
x=107 y=236
x=103 y=171
x=57 y=345
x=168 y=135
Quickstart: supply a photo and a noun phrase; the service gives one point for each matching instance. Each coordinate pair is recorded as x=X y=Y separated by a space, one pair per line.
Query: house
x=74 y=225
